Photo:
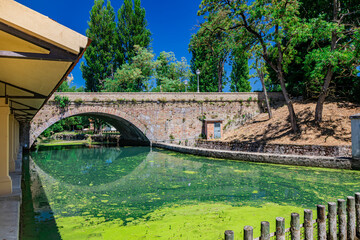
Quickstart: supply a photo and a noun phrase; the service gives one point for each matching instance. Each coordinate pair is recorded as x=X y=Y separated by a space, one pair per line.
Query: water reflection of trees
x=164 y=178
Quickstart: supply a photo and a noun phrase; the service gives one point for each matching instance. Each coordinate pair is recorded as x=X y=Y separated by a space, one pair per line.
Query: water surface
x=135 y=193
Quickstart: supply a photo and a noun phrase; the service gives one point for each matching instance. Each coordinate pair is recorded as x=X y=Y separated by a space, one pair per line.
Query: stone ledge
x=288 y=149
x=302 y=160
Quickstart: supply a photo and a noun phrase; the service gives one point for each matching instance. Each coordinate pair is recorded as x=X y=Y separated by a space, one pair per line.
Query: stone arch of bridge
x=129 y=127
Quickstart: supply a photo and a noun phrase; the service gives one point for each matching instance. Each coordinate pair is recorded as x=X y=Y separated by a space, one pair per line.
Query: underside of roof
x=36 y=55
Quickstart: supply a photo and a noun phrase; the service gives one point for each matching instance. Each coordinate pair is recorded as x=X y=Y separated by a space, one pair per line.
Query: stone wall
x=310 y=150
x=297 y=160
x=156 y=116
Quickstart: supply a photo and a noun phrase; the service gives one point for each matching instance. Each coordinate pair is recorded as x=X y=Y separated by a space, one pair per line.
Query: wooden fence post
x=357 y=207
x=280 y=228
x=248 y=233
x=332 y=221
x=229 y=235
x=295 y=226
x=265 y=231
x=321 y=221
x=342 y=219
x=308 y=225
x=350 y=218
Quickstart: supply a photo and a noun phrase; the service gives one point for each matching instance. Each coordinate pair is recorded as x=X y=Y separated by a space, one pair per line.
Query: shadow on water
x=39 y=223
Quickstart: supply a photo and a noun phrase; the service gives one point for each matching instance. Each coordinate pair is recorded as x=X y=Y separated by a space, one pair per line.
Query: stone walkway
x=10 y=206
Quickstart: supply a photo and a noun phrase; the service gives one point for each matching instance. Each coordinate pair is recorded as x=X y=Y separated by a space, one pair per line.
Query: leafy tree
x=134 y=76
x=335 y=49
x=240 y=71
x=171 y=74
x=131 y=30
x=267 y=22
x=213 y=38
x=99 y=57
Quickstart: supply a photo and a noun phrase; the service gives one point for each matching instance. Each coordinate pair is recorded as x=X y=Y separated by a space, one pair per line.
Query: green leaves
x=131 y=30
x=170 y=73
x=134 y=76
x=113 y=45
x=99 y=57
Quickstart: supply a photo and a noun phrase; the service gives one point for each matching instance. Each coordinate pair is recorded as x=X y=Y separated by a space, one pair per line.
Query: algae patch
x=198 y=221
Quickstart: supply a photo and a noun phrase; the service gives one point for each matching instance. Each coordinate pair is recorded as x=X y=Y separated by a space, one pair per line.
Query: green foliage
x=78 y=101
x=210 y=48
x=65 y=87
x=134 y=76
x=67 y=124
x=131 y=31
x=99 y=57
x=62 y=101
x=240 y=71
x=170 y=74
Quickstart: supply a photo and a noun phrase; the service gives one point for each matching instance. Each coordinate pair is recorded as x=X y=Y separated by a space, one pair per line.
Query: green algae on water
x=132 y=193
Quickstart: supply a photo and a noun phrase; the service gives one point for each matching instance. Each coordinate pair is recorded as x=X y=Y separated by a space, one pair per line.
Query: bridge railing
x=342 y=222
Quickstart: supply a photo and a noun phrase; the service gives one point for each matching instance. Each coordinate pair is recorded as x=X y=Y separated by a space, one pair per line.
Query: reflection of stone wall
x=310 y=150
x=158 y=115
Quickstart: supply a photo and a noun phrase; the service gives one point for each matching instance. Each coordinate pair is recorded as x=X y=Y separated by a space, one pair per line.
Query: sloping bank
x=297 y=160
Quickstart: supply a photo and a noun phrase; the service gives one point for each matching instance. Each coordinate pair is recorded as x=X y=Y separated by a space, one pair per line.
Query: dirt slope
x=334 y=130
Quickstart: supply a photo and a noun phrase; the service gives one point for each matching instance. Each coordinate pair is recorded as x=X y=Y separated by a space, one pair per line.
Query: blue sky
x=171 y=22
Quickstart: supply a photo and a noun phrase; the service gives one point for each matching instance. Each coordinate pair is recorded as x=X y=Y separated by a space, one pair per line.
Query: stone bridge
x=155 y=117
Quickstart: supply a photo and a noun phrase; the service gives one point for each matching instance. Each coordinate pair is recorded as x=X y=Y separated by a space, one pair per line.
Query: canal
x=138 y=193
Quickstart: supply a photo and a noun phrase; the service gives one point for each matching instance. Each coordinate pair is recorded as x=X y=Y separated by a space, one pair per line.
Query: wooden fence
x=341 y=223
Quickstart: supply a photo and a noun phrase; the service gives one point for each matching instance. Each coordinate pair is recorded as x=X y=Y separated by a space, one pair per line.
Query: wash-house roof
x=36 y=55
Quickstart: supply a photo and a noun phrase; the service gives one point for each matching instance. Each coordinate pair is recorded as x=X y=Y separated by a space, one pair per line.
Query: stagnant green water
x=133 y=193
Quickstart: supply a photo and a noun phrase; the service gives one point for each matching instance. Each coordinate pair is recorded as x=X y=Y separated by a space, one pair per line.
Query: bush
x=62 y=101
x=78 y=101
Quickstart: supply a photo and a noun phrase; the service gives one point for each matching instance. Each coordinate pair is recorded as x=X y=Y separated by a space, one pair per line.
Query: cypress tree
x=240 y=71
x=99 y=57
x=131 y=30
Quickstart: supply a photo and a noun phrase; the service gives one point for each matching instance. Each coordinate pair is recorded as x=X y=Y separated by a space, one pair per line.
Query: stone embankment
x=288 y=149
x=297 y=160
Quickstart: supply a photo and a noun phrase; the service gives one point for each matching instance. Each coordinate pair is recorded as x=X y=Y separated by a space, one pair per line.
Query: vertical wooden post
x=350 y=218
x=357 y=209
x=295 y=226
x=308 y=225
x=248 y=233
x=229 y=235
x=321 y=217
x=280 y=228
x=332 y=221
x=342 y=219
x=265 y=231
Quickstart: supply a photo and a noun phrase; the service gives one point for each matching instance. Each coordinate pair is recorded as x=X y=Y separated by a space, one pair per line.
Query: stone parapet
x=168 y=97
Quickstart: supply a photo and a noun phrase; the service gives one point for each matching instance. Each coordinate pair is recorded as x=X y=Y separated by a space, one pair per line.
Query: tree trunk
x=281 y=78
x=220 y=74
x=323 y=95
x=330 y=73
x=261 y=76
x=289 y=104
